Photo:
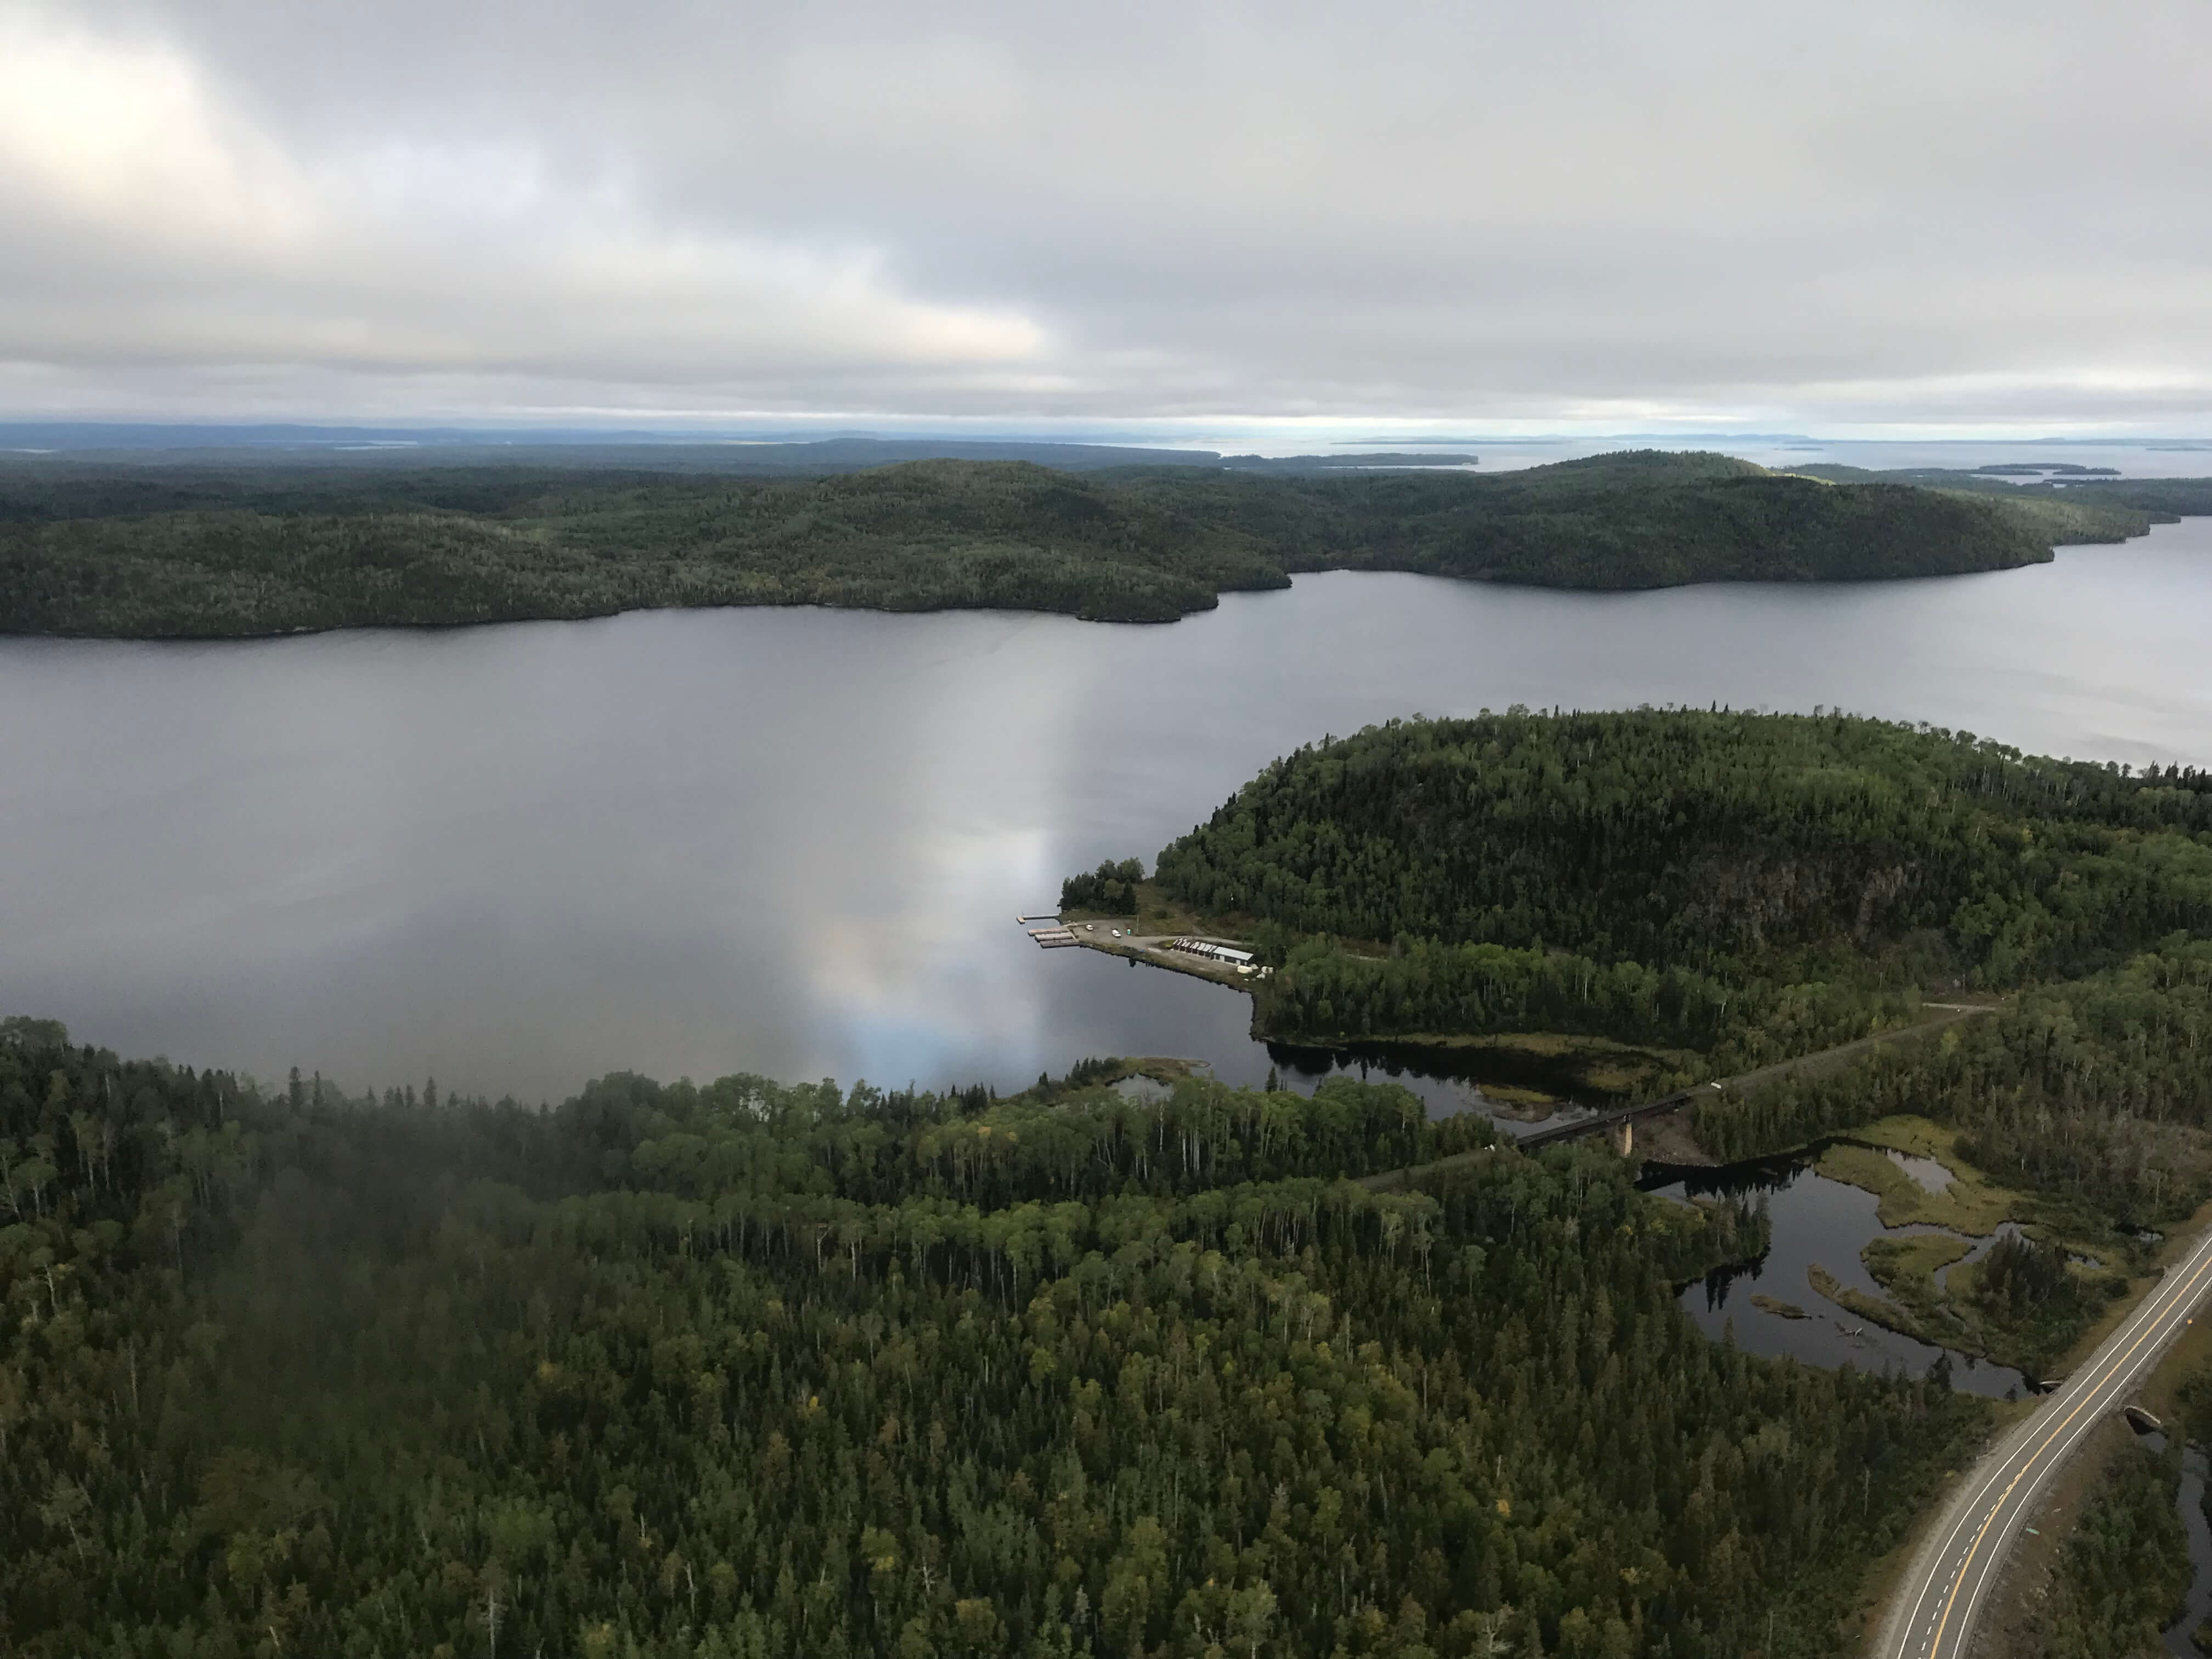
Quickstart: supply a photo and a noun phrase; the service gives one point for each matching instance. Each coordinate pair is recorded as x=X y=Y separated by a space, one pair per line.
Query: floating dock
x=1054 y=938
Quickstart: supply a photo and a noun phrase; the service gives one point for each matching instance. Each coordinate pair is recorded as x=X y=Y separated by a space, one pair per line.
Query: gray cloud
x=1892 y=214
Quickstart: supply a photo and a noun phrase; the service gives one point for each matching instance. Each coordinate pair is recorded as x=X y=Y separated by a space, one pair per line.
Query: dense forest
x=1110 y=889
x=2098 y=1089
x=142 y=550
x=750 y=1369
x=1749 y=887
x=2125 y=1571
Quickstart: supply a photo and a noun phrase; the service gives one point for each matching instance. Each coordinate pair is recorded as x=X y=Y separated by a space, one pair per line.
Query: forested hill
x=157 y=551
x=1752 y=886
x=756 y=1372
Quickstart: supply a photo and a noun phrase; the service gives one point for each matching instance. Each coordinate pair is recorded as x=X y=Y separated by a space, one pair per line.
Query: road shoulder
x=2017 y=1599
x=1936 y=1529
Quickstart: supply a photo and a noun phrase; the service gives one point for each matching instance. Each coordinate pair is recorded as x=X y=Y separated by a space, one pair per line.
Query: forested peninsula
x=751 y=1371
x=167 y=551
x=1744 y=887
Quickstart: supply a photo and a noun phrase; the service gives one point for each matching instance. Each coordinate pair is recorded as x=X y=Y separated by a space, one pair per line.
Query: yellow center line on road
x=2150 y=1327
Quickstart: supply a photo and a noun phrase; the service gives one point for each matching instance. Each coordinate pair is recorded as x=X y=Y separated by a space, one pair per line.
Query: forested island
x=207 y=552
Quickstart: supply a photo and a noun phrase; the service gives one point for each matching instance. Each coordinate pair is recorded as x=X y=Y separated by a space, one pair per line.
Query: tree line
x=2097 y=1090
x=204 y=552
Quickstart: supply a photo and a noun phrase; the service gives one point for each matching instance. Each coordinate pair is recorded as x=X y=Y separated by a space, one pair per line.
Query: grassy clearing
x=1507 y=1094
x=1916 y=1259
x=1918 y=1137
x=1972 y=1204
x=1160 y=912
x=2179 y=1382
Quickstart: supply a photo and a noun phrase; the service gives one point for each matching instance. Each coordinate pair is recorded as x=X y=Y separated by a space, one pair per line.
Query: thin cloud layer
x=1902 y=214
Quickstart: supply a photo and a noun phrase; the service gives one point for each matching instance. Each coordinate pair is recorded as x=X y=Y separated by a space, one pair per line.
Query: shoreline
x=1528 y=1078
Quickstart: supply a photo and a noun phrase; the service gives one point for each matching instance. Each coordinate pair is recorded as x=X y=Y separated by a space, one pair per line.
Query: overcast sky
x=1891 y=215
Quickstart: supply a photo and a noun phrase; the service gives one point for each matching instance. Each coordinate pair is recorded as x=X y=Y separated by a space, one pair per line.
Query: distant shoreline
x=136 y=552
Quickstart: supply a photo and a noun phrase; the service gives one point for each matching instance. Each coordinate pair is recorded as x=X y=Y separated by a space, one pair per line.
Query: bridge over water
x=1620 y=1122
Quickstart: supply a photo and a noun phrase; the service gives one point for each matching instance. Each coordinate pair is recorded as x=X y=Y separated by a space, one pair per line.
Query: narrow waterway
x=2180 y=1635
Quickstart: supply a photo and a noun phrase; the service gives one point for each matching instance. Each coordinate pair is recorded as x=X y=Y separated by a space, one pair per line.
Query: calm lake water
x=794 y=841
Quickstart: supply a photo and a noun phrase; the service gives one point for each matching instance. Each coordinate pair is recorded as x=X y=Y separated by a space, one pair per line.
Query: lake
x=794 y=841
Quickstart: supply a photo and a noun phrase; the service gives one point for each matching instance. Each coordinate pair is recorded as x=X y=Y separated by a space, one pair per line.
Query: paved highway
x=1933 y=1614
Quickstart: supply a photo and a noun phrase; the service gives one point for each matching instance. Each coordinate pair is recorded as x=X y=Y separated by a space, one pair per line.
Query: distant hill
x=1654 y=519
x=289 y=448
x=306 y=445
x=2072 y=504
x=211 y=551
